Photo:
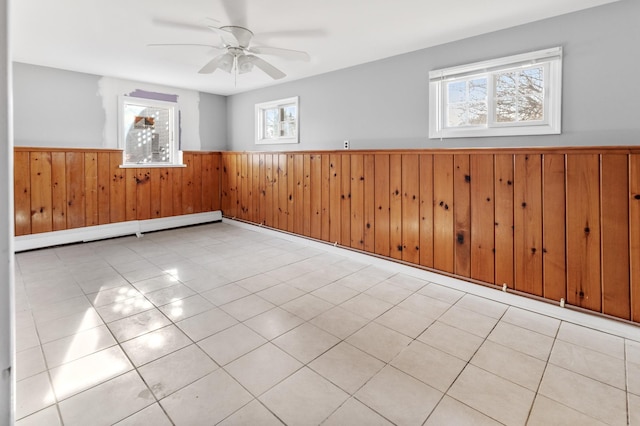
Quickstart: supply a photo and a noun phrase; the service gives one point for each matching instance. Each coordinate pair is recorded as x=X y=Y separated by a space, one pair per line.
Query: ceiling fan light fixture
x=226 y=62
x=245 y=64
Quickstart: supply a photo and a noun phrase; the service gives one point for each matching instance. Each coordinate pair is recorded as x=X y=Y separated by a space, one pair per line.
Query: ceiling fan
x=239 y=56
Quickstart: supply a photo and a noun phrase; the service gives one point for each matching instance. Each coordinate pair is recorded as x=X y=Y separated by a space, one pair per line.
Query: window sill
x=150 y=166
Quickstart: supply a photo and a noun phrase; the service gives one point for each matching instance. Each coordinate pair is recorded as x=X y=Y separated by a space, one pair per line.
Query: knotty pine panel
x=382 y=195
x=503 y=226
x=554 y=261
x=462 y=214
x=59 y=191
x=40 y=170
x=482 y=218
x=634 y=234
x=410 y=208
x=369 y=203
x=614 y=181
x=395 y=206
x=426 y=210
x=443 y=226
x=357 y=202
x=583 y=231
x=528 y=223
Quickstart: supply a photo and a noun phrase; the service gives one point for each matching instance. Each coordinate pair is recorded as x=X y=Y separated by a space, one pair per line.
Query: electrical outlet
x=346 y=144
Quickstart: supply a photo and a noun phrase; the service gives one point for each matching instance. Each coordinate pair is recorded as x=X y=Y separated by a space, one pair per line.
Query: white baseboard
x=100 y=232
x=591 y=320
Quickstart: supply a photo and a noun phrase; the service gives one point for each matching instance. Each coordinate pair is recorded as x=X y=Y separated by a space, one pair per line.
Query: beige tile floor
x=219 y=324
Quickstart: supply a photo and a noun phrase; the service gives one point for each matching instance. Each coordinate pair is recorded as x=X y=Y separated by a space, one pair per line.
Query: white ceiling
x=110 y=37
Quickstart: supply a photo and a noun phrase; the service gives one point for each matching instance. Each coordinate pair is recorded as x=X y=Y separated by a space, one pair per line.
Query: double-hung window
x=148 y=133
x=516 y=95
x=277 y=121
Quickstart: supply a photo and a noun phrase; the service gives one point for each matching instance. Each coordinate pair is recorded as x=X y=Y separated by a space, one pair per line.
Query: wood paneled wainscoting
x=554 y=223
x=61 y=189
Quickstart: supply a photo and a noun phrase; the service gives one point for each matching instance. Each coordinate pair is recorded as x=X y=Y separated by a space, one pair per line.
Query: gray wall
x=59 y=108
x=384 y=104
x=213 y=122
x=56 y=108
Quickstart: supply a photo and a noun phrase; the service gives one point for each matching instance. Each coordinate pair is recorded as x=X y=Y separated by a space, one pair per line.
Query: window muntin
x=148 y=133
x=516 y=95
x=277 y=121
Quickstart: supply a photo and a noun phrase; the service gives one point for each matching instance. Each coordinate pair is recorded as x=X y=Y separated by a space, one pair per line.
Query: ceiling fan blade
x=228 y=38
x=265 y=66
x=180 y=25
x=236 y=11
x=224 y=62
x=211 y=46
x=283 y=53
x=292 y=33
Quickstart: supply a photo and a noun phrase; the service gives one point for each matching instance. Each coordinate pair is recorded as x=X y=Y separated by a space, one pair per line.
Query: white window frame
x=551 y=61
x=174 y=148
x=260 y=109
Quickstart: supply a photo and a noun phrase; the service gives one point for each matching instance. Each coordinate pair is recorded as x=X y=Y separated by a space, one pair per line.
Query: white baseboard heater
x=100 y=232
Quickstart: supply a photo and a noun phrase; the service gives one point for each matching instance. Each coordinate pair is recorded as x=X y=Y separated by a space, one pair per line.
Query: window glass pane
x=478 y=89
x=147 y=133
x=478 y=113
x=457 y=115
x=530 y=108
x=289 y=113
x=457 y=92
x=505 y=84
x=288 y=129
x=530 y=81
x=506 y=110
x=271 y=123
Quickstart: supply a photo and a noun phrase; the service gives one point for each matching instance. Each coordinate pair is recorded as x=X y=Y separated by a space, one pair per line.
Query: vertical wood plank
x=325 y=197
x=103 y=188
x=382 y=196
x=166 y=192
x=614 y=193
x=59 y=191
x=345 y=201
x=553 y=228
x=40 y=167
x=156 y=198
x=462 y=214
x=176 y=179
x=410 y=208
x=143 y=193
x=296 y=186
x=188 y=187
x=426 y=210
x=243 y=195
x=357 y=201
x=292 y=180
x=395 y=206
x=528 y=223
x=369 y=203
x=303 y=212
x=482 y=218
x=91 y=188
x=256 y=190
x=335 y=179
x=634 y=234
x=225 y=199
x=22 y=192
x=283 y=203
x=197 y=182
x=503 y=188
x=131 y=187
x=215 y=182
x=74 y=169
x=268 y=198
x=443 y=226
x=583 y=231
x=207 y=182
x=315 y=196
x=117 y=190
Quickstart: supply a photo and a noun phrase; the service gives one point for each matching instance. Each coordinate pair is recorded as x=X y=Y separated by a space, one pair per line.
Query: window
x=277 y=121
x=516 y=95
x=147 y=133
